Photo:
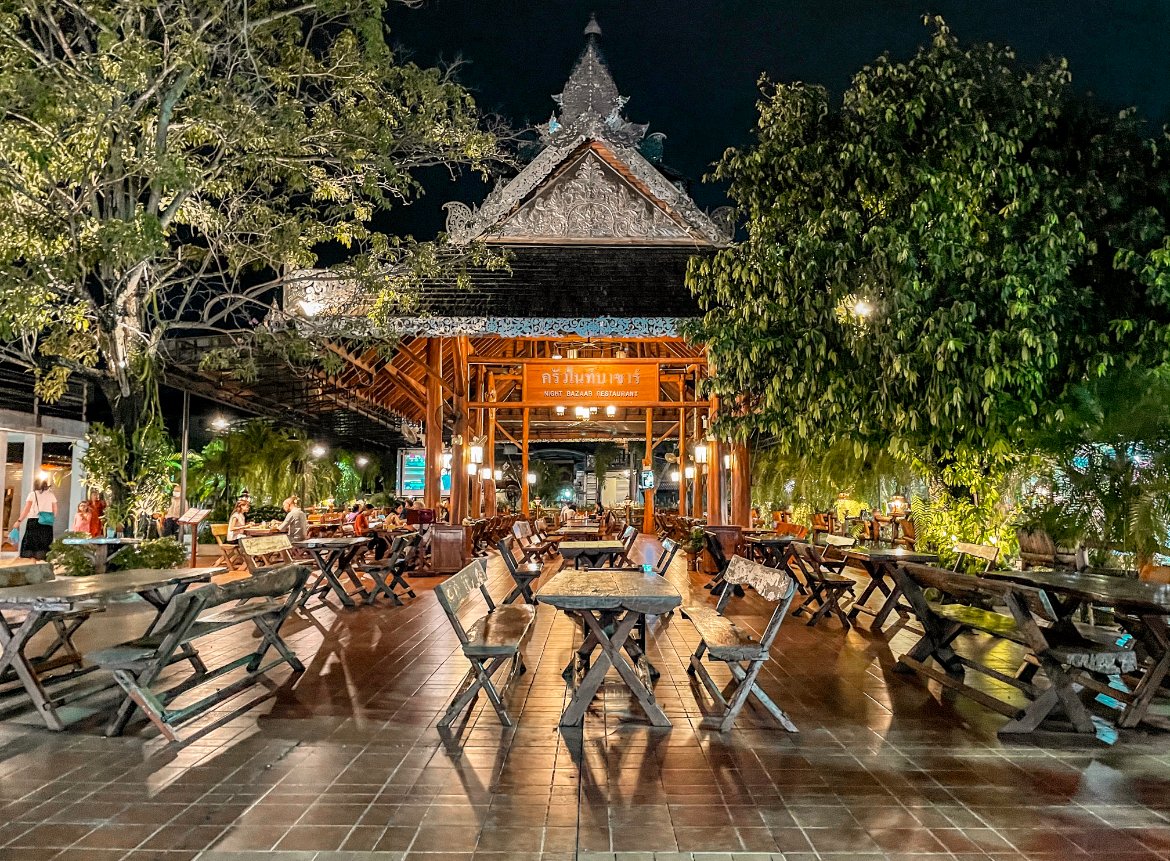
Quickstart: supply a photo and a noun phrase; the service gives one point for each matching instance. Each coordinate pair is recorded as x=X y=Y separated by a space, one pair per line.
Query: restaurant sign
x=573 y=382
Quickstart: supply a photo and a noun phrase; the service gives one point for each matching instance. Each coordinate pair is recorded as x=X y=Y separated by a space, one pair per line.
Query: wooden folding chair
x=977 y=556
x=524 y=574
x=722 y=640
x=826 y=585
x=492 y=640
x=229 y=554
x=137 y=664
x=265 y=550
x=628 y=537
x=670 y=549
x=389 y=574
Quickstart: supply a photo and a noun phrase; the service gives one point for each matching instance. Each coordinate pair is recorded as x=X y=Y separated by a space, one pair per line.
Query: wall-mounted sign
x=647 y=479
x=412 y=473
x=574 y=382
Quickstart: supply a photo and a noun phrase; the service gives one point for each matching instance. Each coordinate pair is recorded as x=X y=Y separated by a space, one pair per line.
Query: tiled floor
x=344 y=762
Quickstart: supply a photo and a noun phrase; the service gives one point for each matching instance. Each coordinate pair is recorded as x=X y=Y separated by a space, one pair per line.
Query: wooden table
x=594 y=553
x=101 y=548
x=53 y=601
x=334 y=556
x=580 y=533
x=768 y=548
x=616 y=600
x=879 y=563
x=1142 y=609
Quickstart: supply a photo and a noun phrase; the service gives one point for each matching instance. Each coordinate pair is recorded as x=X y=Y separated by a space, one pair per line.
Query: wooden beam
x=714 y=474
x=662 y=438
x=525 y=487
x=504 y=433
x=403 y=350
x=648 y=463
x=434 y=429
x=460 y=449
x=519 y=405
x=677 y=360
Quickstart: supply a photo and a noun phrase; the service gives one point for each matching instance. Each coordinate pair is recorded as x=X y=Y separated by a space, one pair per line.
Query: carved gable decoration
x=590 y=202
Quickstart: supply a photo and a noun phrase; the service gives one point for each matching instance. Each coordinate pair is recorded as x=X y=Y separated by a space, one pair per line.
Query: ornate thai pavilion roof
x=592 y=183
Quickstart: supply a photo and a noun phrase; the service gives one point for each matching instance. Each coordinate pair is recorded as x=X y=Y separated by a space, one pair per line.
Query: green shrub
x=264 y=513
x=155 y=553
x=71 y=560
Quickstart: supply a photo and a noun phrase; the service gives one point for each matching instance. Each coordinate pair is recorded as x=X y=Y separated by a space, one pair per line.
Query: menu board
x=412 y=473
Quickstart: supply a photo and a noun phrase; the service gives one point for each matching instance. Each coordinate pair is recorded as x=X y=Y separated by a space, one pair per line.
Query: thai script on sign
x=600 y=383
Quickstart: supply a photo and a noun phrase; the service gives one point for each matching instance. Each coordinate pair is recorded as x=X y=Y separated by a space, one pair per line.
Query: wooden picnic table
x=1142 y=609
x=594 y=554
x=101 y=548
x=579 y=533
x=334 y=557
x=880 y=563
x=61 y=602
x=611 y=604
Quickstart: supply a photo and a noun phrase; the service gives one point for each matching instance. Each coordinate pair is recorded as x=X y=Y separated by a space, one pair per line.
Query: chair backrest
x=219 y=532
x=522 y=529
x=273 y=582
x=907 y=527
x=829 y=540
x=25 y=573
x=506 y=554
x=771 y=584
x=265 y=545
x=669 y=550
x=715 y=548
x=454 y=593
x=985 y=553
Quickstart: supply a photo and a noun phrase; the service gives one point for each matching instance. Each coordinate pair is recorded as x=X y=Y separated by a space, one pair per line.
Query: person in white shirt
x=38 y=515
x=238 y=521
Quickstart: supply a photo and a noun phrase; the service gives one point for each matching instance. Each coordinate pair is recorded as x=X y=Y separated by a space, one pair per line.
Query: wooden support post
x=714 y=473
x=682 y=461
x=741 y=485
x=648 y=463
x=475 y=423
x=489 y=453
x=460 y=443
x=525 y=487
x=697 y=490
x=434 y=427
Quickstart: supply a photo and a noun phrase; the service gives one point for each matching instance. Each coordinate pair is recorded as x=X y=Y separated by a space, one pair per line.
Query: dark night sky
x=690 y=68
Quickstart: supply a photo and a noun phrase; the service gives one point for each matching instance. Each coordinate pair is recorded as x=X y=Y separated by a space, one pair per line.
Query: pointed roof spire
x=590 y=104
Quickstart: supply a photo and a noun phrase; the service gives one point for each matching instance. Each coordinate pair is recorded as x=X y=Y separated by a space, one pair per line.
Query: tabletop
x=890 y=554
x=1122 y=592
x=609 y=589
x=73 y=590
x=100 y=541
x=768 y=538
x=322 y=543
x=592 y=545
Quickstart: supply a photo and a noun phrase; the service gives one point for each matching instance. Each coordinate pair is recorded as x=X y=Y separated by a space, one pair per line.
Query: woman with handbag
x=39 y=514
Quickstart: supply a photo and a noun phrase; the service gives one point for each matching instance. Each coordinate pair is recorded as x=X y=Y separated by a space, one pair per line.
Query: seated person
x=396 y=519
x=361 y=526
x=296 y=522
x=238 y=521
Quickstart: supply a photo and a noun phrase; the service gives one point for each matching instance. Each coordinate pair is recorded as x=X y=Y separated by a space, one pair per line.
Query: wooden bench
x=265 y=599
x=825 y=583
x=532 y=546
x=389 y=574
x=722 y=640
x=261 y=551
x=1060 y=650
x=488 y=643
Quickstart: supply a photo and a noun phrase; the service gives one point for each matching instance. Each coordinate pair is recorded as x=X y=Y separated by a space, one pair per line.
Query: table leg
x=877 y=583
x=893 y=597
x=328 y=570
x=100 y=553
x=13 y=657
x=155 y=598
x=1156 y=640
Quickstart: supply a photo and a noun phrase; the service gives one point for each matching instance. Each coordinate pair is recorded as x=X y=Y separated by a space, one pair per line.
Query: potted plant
x=694 y=546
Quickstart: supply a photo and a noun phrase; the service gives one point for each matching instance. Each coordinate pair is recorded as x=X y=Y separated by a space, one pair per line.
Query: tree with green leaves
x=168 y=166
x=932 y=266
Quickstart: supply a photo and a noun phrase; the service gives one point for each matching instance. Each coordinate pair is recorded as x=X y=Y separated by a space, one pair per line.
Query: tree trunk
x=127 y=411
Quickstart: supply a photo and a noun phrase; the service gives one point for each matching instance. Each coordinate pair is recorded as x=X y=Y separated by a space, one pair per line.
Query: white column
x=76 y=483
x=33 y=448
x=4 y=520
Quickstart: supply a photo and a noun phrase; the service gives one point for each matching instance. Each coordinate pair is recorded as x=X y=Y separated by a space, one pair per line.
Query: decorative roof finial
x=593 y=28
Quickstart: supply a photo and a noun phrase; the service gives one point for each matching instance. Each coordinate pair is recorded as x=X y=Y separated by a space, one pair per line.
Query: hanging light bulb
x=486 y=473
x=674 y=475
x=689 y=472
x=560 y=410
x=472 y=469
x=532 y=478
x=700 y=452
x=572 y=353
x=727 y=461
x=476 y=453
x=611 y=411
x=498 y=475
